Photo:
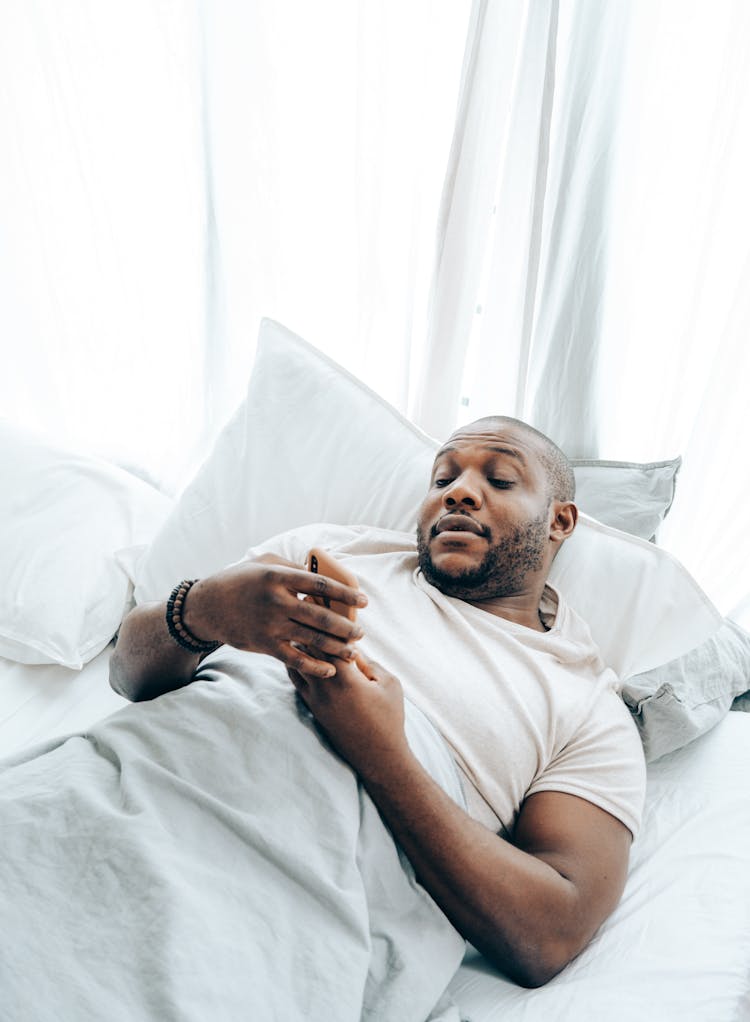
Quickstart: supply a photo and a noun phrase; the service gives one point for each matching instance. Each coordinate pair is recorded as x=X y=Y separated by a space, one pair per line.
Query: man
x=550 y=761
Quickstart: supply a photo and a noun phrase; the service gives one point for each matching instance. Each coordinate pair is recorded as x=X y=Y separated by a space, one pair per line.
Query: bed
x=678 y=945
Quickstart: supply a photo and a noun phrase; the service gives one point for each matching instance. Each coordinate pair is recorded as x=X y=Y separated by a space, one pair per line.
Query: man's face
x=484 y=526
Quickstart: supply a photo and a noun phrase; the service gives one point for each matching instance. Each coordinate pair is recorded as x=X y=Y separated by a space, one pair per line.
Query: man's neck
x=521 y=608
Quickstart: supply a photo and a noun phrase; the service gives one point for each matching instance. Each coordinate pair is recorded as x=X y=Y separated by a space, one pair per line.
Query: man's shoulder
x=364 y=539
x=339 y=539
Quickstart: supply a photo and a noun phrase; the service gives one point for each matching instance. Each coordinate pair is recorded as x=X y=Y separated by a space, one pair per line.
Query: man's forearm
x=530 y=906
x=509 y=904
x=147 y=662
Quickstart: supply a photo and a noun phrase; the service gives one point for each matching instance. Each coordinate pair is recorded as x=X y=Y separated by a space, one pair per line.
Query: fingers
x=321 y=619
x=374 y=671
x=307 y=671
x=297 y=680
x=368 y=667
x=318 y=643
x=320 y=585
x=283 y=586
x=298 y=661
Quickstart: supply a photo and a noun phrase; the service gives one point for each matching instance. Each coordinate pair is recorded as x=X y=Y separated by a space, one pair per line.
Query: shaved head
x=498 y=508
x=560 y=478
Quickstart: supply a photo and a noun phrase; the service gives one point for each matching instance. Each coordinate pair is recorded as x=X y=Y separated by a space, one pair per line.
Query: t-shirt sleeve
x=603 y=762
x=294 y=545
x=289 y=545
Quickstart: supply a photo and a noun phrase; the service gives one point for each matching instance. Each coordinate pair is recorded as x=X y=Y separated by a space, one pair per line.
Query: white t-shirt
x=523 y=711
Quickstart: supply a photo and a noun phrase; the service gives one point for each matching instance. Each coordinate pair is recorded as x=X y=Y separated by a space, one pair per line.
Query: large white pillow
x=62 y=518
x=311 y=443
x=642 y=606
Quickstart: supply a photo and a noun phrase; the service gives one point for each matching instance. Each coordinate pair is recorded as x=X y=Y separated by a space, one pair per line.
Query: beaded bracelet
x=175 y=624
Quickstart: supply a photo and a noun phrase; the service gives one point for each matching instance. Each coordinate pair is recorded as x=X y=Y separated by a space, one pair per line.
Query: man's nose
x=462 y=492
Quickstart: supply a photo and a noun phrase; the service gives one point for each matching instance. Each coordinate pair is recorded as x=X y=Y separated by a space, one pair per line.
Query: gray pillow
x=677 y=702
x=627 y=495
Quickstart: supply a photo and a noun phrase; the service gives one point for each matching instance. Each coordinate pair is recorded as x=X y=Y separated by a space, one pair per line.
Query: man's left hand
x=361 y=712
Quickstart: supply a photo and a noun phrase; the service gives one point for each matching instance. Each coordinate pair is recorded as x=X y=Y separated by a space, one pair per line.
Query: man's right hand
x=254 y=606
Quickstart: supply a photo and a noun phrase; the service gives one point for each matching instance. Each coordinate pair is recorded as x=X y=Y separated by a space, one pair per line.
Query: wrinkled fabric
x=208 y=855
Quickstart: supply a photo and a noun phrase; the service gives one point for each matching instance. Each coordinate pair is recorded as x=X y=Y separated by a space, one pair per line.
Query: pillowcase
x=627 y=495
x=62 y=517
x=311 y=443
x=642 y=606
x=677 y=702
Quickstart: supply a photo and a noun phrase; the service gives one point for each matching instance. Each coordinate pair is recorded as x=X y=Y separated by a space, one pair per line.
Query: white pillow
x=62 y=517
x=311 y=443
x=642 y=606
x=627 y=495
x=674 y=703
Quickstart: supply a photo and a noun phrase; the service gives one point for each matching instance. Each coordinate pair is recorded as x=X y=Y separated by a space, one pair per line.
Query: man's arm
x=252 y=606
x=529 y=906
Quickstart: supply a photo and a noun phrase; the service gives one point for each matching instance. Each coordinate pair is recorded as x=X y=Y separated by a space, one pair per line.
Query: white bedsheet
x=205 y=855
x=45 y=701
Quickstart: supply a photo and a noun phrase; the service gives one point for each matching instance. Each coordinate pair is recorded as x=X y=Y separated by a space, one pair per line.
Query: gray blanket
x=207 y=856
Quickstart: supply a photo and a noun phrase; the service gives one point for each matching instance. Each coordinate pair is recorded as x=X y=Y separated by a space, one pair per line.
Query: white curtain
x=490 y=215
x=329 y=130
x=598 y=201
x=102 y=260
x=173 y=170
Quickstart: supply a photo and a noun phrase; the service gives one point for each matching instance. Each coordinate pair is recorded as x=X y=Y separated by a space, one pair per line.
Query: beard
x=504 y=569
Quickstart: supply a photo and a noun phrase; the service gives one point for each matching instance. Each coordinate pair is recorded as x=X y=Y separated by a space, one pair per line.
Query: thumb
x=369 y=668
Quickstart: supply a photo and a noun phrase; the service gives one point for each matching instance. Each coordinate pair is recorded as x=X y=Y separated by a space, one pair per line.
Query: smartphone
x=321 y=562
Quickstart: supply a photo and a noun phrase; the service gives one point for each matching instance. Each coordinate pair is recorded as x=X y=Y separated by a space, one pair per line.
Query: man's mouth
x=459 y=523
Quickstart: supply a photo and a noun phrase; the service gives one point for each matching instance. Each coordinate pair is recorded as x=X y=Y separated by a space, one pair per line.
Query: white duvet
x=677 y=948
x=206 y=856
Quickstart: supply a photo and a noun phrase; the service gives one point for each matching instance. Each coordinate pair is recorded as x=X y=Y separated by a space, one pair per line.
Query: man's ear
x=563 y=520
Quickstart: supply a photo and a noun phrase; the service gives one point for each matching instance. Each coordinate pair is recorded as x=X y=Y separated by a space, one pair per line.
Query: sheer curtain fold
x=171 y=171
x=562 y=396
x=330 y=127
x=517 y=293
x=601 y=293
x=101 y=212
x=487 y=214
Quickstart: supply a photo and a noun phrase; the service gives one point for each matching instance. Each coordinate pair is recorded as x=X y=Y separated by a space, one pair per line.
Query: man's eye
x=501 y=484
x=441 y=482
